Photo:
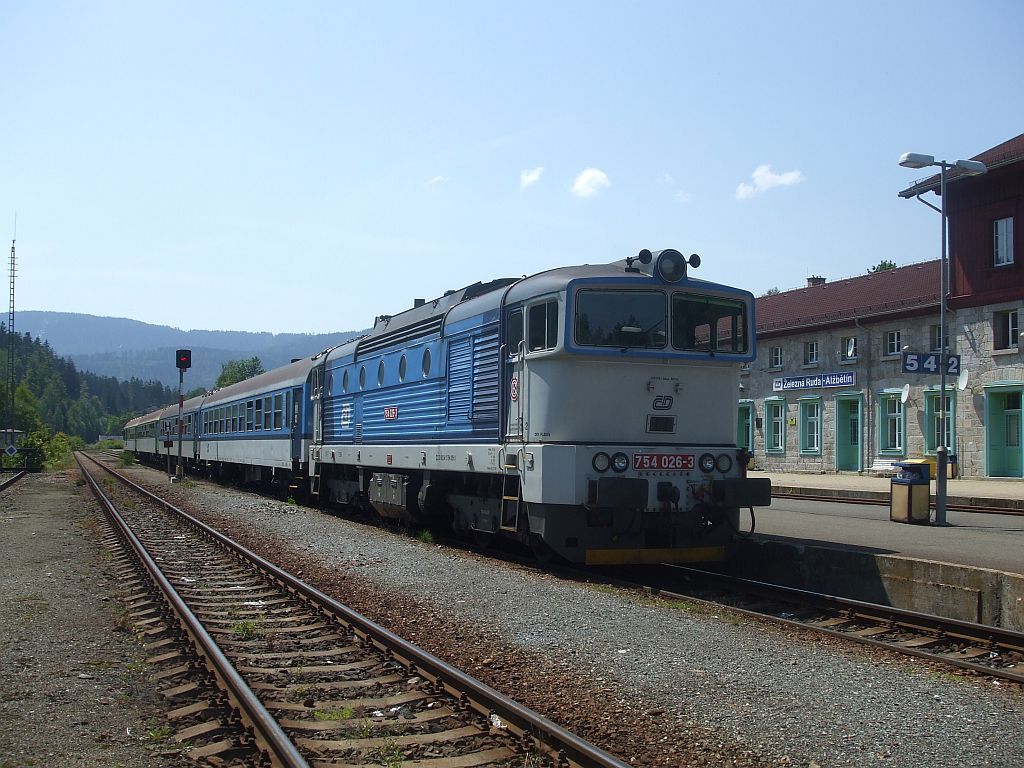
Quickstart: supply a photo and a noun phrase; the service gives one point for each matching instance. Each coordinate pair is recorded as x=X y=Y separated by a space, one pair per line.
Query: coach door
x=296 y=423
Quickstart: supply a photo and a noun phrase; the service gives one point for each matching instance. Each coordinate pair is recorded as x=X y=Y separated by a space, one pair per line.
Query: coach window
x=278 y=411
x=623 y=319
x=267 y=414
x=258 y=420
x=380 y=374
x=426 y=362
x=362 y=377
x=248 y=416
x=543 y=319
x=287 y=409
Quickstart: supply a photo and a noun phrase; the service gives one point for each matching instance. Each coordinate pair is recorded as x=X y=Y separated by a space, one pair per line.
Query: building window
x=934 y=338
x=810 y=353
x=775 y=440
x=892 y=342
x=848 y=348
x=1005 y=329
x=776 y=357
x=1002 y=240
x=810 y=426
x=890 y=435
x=933 y=416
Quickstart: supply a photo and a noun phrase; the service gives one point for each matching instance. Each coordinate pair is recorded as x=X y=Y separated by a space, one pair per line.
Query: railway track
x=980 y=648
x=261 y=668
x=7 y=482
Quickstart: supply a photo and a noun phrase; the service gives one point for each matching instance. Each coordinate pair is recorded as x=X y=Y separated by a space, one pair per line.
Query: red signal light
x=184 y=359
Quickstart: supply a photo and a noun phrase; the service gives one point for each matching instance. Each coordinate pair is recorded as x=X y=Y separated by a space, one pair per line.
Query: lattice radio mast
x=10 y=344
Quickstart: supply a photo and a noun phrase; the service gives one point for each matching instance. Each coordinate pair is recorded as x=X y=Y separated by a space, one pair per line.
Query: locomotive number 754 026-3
x=663 y=461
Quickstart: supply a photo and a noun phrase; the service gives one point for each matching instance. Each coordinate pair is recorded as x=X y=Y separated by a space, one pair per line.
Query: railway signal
x=183 y=361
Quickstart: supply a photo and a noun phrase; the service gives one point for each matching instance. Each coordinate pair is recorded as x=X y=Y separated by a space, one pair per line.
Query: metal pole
x=179 y=471
x=942 y=449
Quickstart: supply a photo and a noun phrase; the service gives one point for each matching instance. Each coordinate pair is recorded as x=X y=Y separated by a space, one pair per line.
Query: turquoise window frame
x=884 y=397
x=769 y=425
x=931 y=400
x=804 y=403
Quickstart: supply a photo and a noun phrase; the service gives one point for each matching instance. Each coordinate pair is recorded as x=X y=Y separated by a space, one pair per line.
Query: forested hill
x=124 y=349
x=52 y=395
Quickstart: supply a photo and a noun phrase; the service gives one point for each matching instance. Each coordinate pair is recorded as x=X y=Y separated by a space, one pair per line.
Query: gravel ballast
x=655 y=682
x=742 y=691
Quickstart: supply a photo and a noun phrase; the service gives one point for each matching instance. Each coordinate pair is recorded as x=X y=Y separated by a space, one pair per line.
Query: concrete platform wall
x=958 y=592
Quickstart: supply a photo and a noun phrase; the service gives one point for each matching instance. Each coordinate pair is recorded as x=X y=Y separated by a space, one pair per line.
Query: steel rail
x=941 y=627
x=483 y=698
x=279 y=748
x=977 y=508
x=9 y=481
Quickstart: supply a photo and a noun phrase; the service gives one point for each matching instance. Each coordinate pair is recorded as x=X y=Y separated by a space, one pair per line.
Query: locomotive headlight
x=707 y=463
x=601 y=462
x=724 y=463
x=670 y=264
x=620 y=462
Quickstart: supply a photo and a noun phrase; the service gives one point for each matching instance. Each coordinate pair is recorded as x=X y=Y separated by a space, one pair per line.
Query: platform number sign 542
x=920 y=362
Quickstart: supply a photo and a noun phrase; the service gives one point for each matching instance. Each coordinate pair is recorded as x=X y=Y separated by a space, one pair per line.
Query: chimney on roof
x=815 y=280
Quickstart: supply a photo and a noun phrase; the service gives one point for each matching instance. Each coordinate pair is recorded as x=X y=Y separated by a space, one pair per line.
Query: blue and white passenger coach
x=589 y=411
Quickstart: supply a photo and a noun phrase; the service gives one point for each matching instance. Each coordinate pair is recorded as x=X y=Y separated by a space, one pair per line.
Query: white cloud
x=531 y=176
x=666 y=179
x=437 y=180
x=765 y=179
x=682 y=197
x=590 y=182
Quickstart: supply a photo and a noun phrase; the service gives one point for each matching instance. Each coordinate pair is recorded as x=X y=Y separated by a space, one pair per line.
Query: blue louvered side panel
x=485 y=380
x=339 y=419
x=416 y=409
x=460 y=381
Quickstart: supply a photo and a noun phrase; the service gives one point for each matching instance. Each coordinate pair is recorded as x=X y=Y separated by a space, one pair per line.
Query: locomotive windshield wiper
x=641 y=333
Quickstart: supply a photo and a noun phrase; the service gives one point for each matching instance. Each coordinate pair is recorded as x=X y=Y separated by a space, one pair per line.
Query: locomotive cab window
x=543 y=319
x=624 y=319
x=708 y=324
x=514 y=333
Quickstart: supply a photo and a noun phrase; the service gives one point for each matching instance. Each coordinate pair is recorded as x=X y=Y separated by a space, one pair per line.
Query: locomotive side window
x=401 y=368
x=625 y=319
x=708 y=323
x=426 y=362
x=380 y=374
x=514 y=333
x=362 y=376
x=344 y=381
x=543 y=320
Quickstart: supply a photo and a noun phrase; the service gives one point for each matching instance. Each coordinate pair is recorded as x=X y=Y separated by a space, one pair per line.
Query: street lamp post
x=970 y=168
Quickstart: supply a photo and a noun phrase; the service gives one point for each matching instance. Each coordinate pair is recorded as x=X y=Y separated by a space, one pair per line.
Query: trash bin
x=909 y=493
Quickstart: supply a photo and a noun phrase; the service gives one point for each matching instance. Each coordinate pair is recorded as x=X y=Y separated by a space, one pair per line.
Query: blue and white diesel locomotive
x=587 y=411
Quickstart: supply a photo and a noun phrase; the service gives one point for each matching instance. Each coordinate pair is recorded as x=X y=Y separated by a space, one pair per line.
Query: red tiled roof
x=892 y=292
x=1008 y=152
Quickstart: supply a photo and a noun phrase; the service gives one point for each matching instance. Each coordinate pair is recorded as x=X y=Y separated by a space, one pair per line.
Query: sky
x=304 y=167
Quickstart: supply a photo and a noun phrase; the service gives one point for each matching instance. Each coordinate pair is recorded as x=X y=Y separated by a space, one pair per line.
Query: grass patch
x=291 y=502
x=160 y=733
x=389 y=754
x=126 y=459
x=345 y=713
x=425 y=536
x=249 y=629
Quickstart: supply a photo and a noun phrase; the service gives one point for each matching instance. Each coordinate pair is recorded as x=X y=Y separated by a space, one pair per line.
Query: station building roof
x=1007 y=153
x=890 y=293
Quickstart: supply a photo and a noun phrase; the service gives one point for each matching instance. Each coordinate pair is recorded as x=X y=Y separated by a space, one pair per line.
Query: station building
x=828 y=391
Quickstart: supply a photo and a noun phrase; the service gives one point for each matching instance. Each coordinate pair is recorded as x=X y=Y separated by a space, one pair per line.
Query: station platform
x=813 y=537
x=988 y=494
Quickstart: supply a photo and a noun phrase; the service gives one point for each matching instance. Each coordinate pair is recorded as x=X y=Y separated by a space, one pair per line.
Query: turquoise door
x=744 y=433
x=1004 y=432
x=848 y=431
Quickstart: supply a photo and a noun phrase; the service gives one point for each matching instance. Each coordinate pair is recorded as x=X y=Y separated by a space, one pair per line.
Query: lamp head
x=971 y=166
x=914 y=160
